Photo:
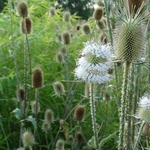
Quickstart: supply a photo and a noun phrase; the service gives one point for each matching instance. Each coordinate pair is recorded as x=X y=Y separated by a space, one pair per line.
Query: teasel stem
x=111 y=38
x=3 y=131
x=122 y=107
x=136 y=97
x=15 y=63
x=139 y=134
x=129 y=110
x=36 y=114
x=93 y=115
x=148 y=43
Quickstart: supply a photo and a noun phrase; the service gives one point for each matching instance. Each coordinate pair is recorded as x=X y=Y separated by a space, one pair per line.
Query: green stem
x=93 y=116
x=2 y=128
x=139 y=134
x=123 y=104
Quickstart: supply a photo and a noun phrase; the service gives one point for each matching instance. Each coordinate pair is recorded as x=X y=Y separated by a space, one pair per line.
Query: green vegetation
x=40 y=94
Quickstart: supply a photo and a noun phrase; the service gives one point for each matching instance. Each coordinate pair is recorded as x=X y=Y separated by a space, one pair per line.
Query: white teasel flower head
x=144 y=108
x=94 y=63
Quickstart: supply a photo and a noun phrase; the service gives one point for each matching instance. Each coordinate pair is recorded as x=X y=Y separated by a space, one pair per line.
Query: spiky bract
x=129 y=41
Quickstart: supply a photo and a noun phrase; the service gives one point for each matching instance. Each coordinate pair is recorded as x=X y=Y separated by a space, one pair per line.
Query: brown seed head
x=26 y=25
x=59 y=57
x=22 y=9
x=37 y=78
x=64 y=51
x=79 y=137
x=49 y=116
x=98 y=13
x=58 y=88
x=78 y=27
x=45 y=126
x=79 y=113
x=66 y=38
x=86 y=29
x=20 y=94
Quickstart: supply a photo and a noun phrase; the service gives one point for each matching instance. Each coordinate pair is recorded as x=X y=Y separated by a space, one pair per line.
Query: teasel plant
x=129 y=47
x=37 y=83
x=93 y=68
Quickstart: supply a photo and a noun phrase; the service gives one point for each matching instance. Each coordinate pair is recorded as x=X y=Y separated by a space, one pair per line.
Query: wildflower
x=52 y=11
x=98 y=13
x=49 y=116
x=94 y=63
x=28 y=139
x=144 y=108
x=22 y=9
x=26 y=25
x=60 y=145
x=129 y=41
x=37 y=78
x=66 y=38
x=66 y=16
x=58 y=88
x=86 y=29
x=79 y=113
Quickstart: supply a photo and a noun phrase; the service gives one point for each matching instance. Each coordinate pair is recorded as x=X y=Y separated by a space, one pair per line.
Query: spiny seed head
x=59 y=57
x=144 y=114
x=28 y=139
x=100 y=24
x=99 y=3
x=58 y=88
x=129 y=41
x=26 y=25
x=79 y=113
x=78 y=27
x=52 y=11
x=45 y=126
x=60 y=145
x=64 y=51
x=20 y=94
x=86 y=29
x=66 y=38
x=66 y=16
x=49 y=116
x=134 y=5
x=33 y=107
x=98 y=13
x=62 y=122
x=37 y=78
x=79 y=137
x=22 y=9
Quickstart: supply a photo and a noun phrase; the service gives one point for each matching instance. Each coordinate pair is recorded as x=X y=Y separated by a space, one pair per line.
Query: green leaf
x=105 y=140
x=32 y=120
x=17 y=113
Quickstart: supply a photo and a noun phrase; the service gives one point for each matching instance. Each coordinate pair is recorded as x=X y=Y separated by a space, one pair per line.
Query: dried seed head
x=103 y=38
x=33 y=107
x=60 y=145
x=22 y=9
x=100 y=24
x=49 y=116
x=66 y=38
x=45 y=126
x=58 y=88
x=64 y=51
x=52 y=11
x=59 y=57
x=37 y=78
x=79 y=137
x=66 y=16
x=98 y=13
x=129 y=41
x=20 y=94
x=28 y=139
x=86 y=29
x=134 y=5
x=146 y=128
x=26 y=25
x=79 y=113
